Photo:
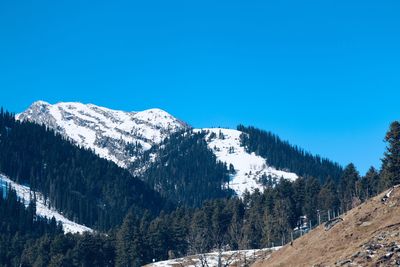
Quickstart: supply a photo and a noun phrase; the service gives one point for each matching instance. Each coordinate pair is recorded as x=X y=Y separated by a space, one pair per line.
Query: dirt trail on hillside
x=369 y=235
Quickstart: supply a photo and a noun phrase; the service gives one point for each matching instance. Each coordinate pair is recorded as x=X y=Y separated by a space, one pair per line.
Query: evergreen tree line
x=185 y=170
x=30 y=240
x=257 y=220
x=284 y=156
x=86 y=188
x=254 y=221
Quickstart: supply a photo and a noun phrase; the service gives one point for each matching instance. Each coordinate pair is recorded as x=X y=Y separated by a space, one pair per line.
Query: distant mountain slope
x=26 y=195
x=85 y=188
x=115 y=135
x=186 y=171
x=284 y=156
x=369 y=235
x=248 y=168
x=134 y=140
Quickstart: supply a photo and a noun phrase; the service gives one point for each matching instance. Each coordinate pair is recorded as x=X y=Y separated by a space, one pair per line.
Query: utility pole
x=319 y=217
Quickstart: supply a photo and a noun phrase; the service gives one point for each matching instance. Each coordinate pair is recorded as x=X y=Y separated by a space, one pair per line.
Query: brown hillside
x=369 y=235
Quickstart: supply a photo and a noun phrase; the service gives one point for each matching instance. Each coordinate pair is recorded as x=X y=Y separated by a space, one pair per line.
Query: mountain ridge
x=123 y=137
x=113 y=134
x=86 y=188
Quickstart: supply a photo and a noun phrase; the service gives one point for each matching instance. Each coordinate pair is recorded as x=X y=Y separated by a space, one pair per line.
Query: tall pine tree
x=391 y=160
x=348 y=185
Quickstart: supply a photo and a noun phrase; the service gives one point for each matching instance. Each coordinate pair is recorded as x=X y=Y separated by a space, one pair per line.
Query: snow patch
x=249 y=168
x=24 y=193
x=228 y=258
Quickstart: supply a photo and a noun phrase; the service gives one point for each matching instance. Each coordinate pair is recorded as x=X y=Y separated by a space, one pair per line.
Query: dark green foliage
x=16 y=218
x=28 y=240
x=391 y=160
x=257 y=220
x=348 y=187
x=186 y=171
x=311 y=201
x=69 y=250
x=328 y=197
x=86 y=188
x=370 y=184
x=129 y=243
x=284 y=156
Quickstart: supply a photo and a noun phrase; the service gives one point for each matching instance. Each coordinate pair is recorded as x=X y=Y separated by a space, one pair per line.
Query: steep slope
x=186 y=171
x=368 y=235
x=282 y=155
x=88 y=189
x=124 y=137
x=248 y=168
x=25 y=194
x=134 y=140
x=115 y=135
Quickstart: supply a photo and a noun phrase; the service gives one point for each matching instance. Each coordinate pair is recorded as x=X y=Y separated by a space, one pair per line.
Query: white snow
x=25 y=194
x=248 y=166
x=234 y=257
x=107 y=132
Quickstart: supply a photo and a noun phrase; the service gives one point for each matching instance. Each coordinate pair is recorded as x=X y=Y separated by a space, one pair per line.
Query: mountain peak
x=40 y=103
x=116 y=135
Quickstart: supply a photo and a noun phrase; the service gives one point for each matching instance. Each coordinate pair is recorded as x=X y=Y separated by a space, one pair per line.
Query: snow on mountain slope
x=225 y=143
x=115 y=135
x=122 y=137
x=24 y=193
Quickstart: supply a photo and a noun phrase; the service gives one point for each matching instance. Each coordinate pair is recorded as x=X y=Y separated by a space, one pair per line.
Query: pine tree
x=128 y=243
x=236 y=224
x=282 y=224
x=370 y=183
x=311 y=203
x=328 y=196
x=391 y=160
x=199 y=233
x=348 y=186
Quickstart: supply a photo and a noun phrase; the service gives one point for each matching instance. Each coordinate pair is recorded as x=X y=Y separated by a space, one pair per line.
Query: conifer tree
x=128 y=243
x=348 y=185
x=328 y=196
x=391 y=160
x=311 y=204
x=370 y=183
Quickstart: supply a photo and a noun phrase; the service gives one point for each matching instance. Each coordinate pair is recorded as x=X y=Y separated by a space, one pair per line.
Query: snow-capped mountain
x=115 y=135
x=25 y=194
x=122 y=137
x=249 y=168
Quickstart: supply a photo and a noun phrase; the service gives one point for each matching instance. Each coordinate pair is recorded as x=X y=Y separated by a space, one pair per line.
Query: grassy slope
x=366 y=234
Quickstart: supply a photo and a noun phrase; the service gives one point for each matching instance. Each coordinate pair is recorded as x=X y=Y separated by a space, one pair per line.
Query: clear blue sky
x=323 y=74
